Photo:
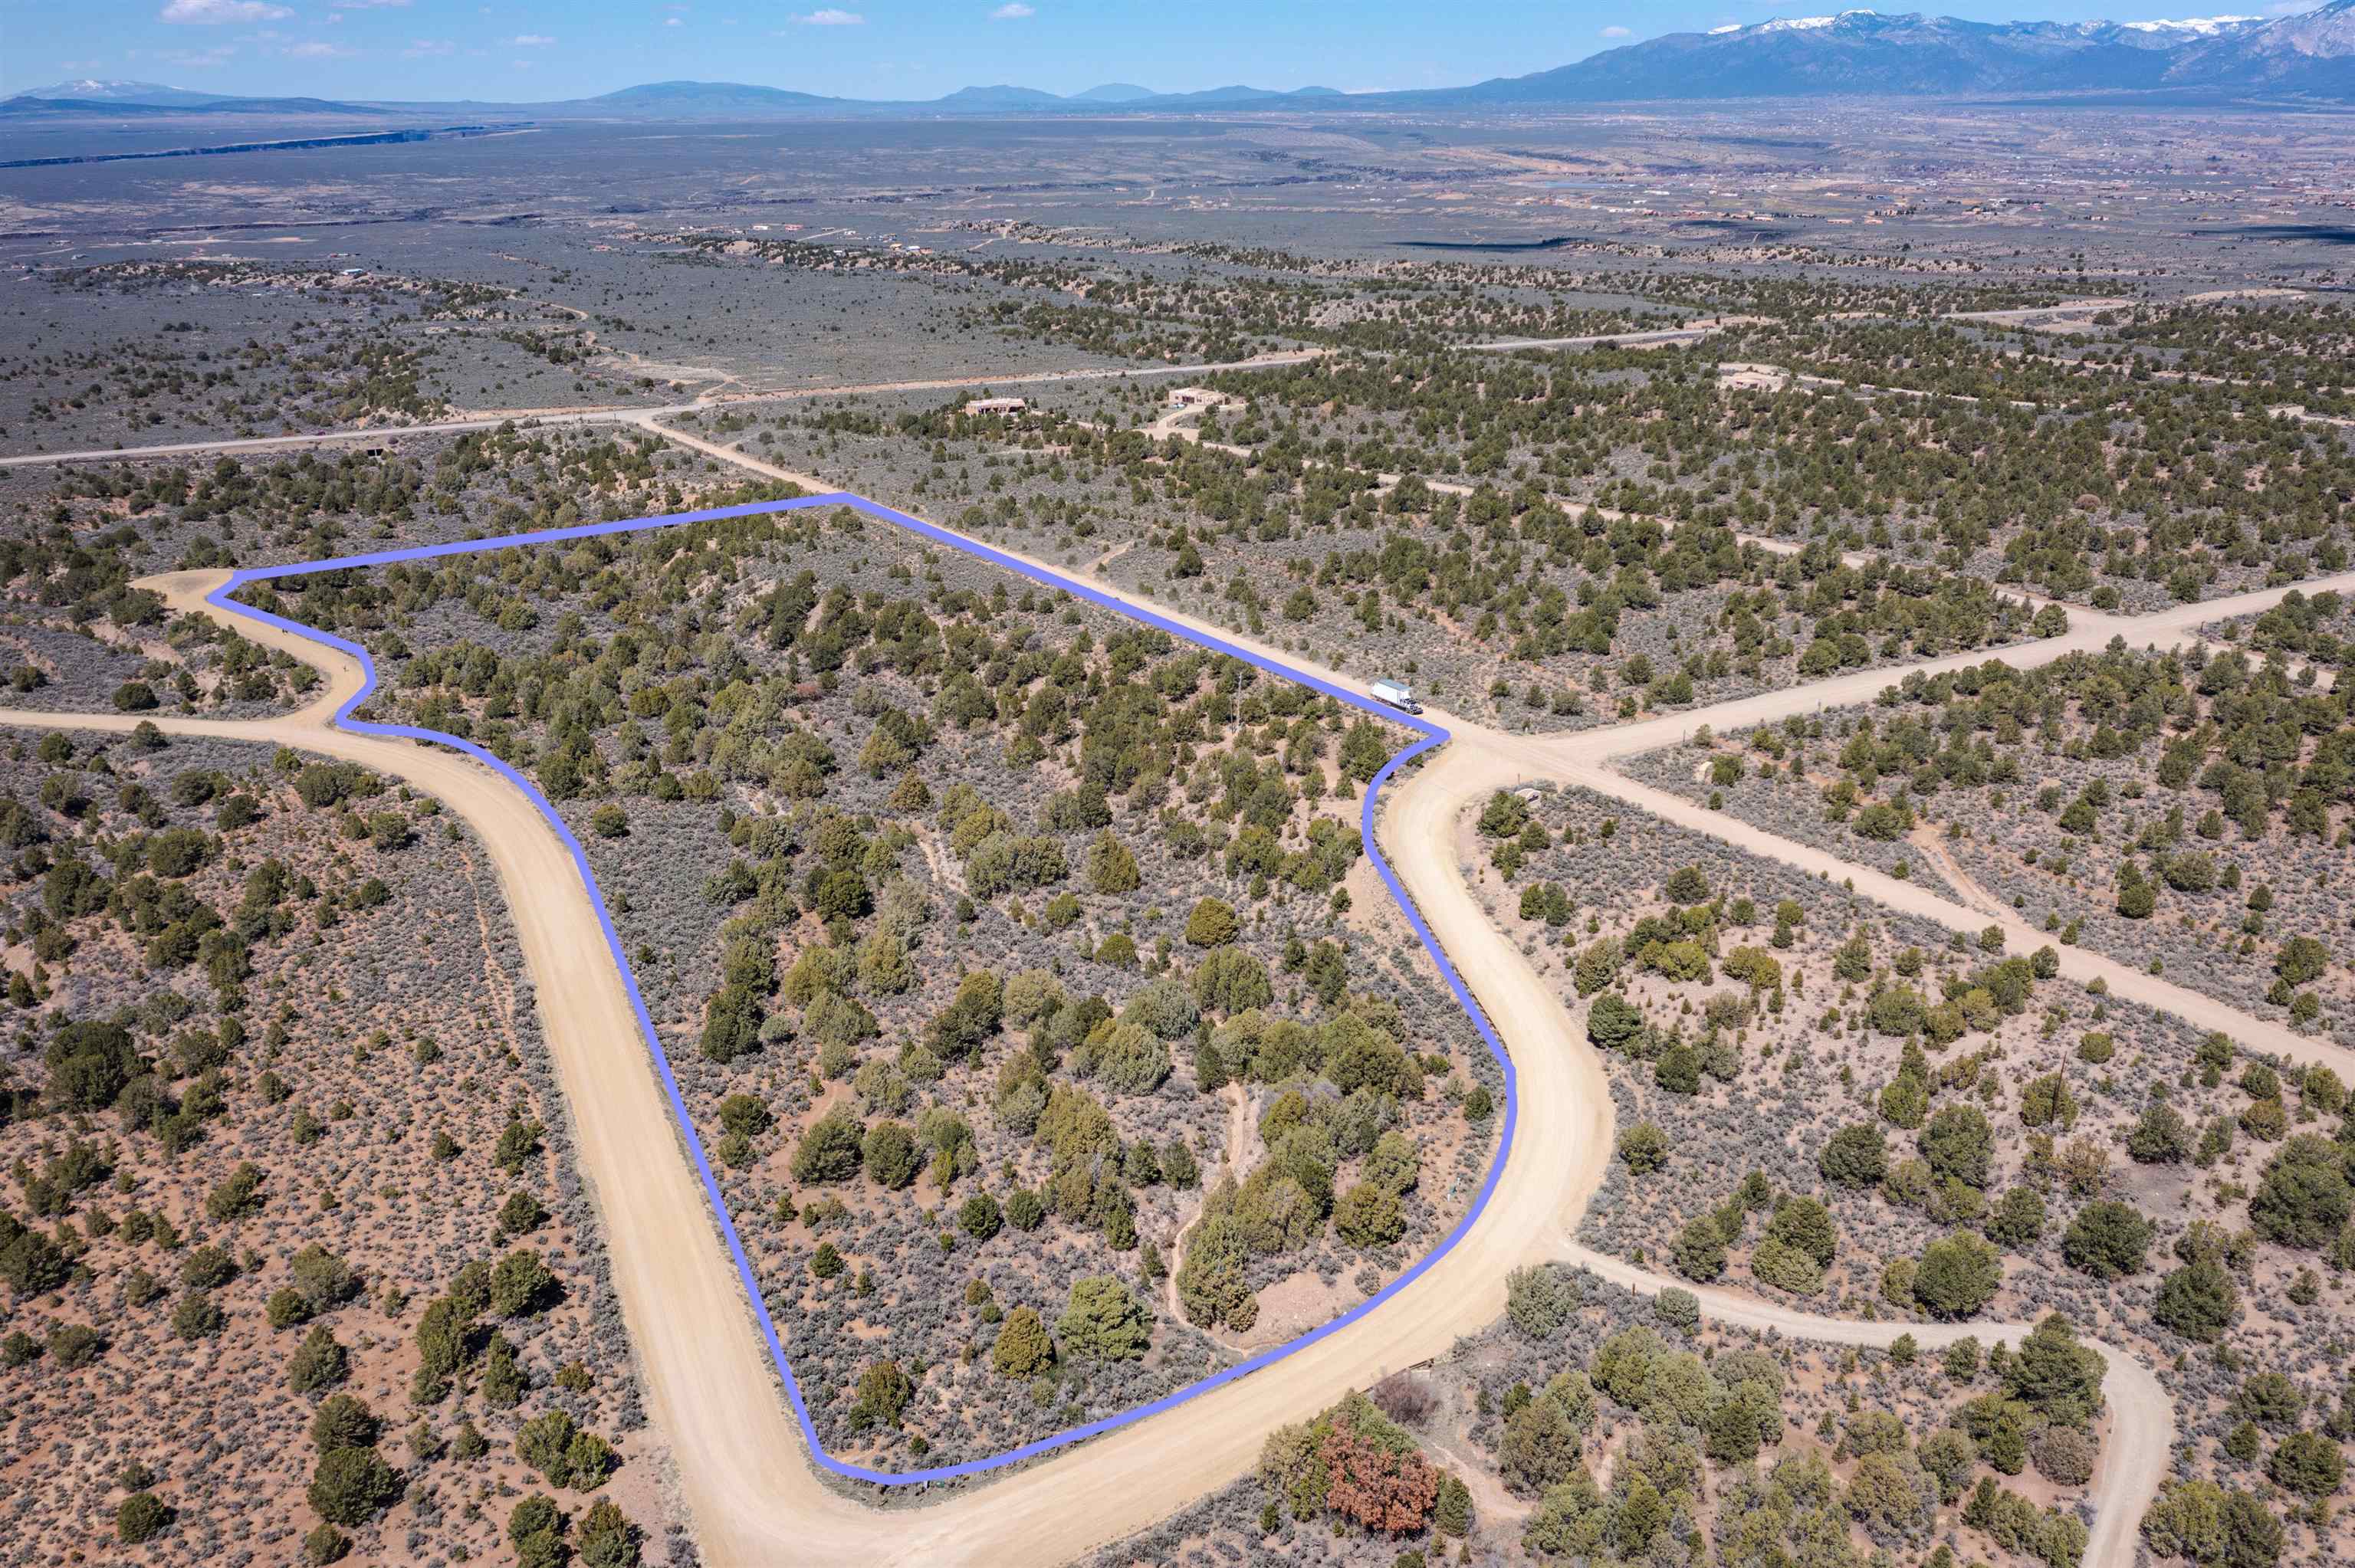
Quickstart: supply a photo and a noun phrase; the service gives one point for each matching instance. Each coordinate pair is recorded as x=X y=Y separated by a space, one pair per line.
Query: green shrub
x=352 y=1486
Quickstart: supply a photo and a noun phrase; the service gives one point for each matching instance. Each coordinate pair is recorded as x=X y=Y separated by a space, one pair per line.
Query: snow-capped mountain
x=92 y=90
x=1871 y=52
x=2311 y=54
x=2189 y=27
x=2201 y=26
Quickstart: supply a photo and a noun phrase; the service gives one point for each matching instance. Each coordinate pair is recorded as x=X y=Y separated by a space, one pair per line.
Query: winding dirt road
x=1565 y=1097
x=711 y=1388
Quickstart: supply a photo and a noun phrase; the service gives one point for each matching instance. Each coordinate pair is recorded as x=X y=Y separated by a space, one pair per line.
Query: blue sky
x=531 y=49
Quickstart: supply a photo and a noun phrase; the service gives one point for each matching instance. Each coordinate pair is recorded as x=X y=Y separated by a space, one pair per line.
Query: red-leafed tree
x=1378 y=1488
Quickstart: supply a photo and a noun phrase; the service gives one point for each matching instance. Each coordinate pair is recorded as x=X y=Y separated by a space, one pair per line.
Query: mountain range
x=648 y=101
x=1852 y=53
x=1867 y=53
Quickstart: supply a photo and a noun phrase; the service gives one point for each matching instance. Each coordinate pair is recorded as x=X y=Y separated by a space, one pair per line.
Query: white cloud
x=1012 y=11
x=423 y=48
x=316 y=50
x=363 y=5
x=830 y=18
x=531 y=40
x=216 y=13
x=195 y=59
x=1618 y=33
x=673 y=22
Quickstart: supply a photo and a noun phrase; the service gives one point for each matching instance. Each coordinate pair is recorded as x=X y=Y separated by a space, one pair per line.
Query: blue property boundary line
x=1432 y=735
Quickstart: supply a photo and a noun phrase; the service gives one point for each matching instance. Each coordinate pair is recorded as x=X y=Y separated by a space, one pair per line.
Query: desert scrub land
x=189 y=361
x=2270 y=354
x=2190 y=811
x=1205 y=300
x=1590 y=1424
x=1542 y=616
x=1827 y=1104
x=297 y=1264
x=132 y=517
x=2317 y=630
x=2121 y=493
x=1020 y=967
x=2141 y=494
x=2109 y=488
x=76 y=635
x=149 y=352
x=2297 y=350
x=1487 y=591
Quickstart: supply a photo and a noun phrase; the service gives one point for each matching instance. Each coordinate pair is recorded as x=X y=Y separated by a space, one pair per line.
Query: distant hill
x=999 y=97
x=1238 y=94
x=722 y=99
x=704 y=101
x=1853 y=53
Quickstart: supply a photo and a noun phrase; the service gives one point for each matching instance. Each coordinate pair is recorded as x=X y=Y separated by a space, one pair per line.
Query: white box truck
x=1391 y=694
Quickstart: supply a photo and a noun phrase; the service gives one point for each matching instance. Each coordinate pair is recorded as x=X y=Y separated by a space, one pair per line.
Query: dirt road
x=625 y=414
x=1646 y=337
x=709 y=1386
